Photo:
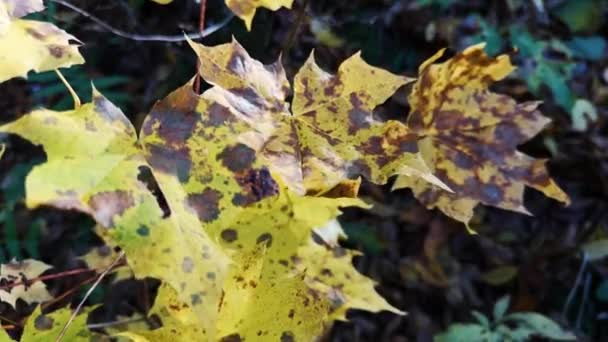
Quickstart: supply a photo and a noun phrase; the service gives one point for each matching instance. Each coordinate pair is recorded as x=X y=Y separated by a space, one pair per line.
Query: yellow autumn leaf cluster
x=204 y=198
x=230 y=197
x=32 y=45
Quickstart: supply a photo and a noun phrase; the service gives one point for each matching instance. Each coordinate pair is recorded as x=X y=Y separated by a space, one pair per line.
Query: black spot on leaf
x=237 y=158
x=206 y=204
x=229 y=235
x=43 y=322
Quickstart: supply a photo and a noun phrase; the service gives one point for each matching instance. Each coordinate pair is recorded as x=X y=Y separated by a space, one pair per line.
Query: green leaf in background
x=583 y=113
x=46 y=87
x=464 y=333
x=491 y=36
x=581 y=15
x=501 y=307
x=441 y=3
x=541 y=325
x=596 y=250
x=516 y=327
x=539 y=70
x=481 y=318
x=591 y=48
x=499 y=275
x=602 y=291
x=365 y=236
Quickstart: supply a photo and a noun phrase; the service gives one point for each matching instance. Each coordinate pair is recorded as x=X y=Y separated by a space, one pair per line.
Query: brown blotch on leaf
x=331 y=89
x=373 y=146
x=229 y=235
x=174 y=117
x=257 y=185
x=236 y=63
x=357 y=120
x=35 y=34
x=339 y=252
x=43 y=322
x=265 y=238
x=463 y=161
x=491 y=193
x=107 y=204
x=359 y=167
x=171 y=160
x=232 y=338
x=206 y=204
x=237 y=158
x=56 y=51
x=287 y=336
x=187 y=264
x=195 y=299
x=415 y=121
x=217 y=115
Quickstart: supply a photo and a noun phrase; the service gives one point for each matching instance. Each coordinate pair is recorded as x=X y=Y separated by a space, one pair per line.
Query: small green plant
x=519 y=326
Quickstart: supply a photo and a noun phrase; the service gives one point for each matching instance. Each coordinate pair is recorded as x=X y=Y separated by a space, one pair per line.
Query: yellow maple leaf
x=329 y=136
x=31 y=45
x=265 y=293
x=97 y=147
x=469 y=137
x=47 y=327
x=245 y=9
x=23 y=272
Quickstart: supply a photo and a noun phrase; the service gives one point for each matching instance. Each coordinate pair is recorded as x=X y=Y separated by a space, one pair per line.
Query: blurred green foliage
x=520 y=326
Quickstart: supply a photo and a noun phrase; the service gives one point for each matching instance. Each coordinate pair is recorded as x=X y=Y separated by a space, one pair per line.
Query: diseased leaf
x=330 y=271
x=267 y=243
x=100 y=258
x=245 y=9
x=23 y=272
x=268 y=291
x=469 y=137
x=46 y=327
x=4 y=336
x=97 y=147
x=331 y=135
x=31 y=45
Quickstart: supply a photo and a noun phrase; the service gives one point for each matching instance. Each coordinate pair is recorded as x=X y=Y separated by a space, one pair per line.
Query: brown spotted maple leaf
x=329 y=136
x=469 y=137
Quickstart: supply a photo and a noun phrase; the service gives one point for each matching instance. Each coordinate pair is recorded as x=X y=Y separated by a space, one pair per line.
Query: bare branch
x=147 y=38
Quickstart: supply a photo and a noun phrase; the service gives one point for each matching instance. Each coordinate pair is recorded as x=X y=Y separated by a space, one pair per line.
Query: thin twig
x=581 y=309
x=291 y=36
x=70 y=89
x=201 y=28
x=86 y=296
x=147 y=38
x=114 y=323
x=48 y=277
x=68 y=292
x=579 y=279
